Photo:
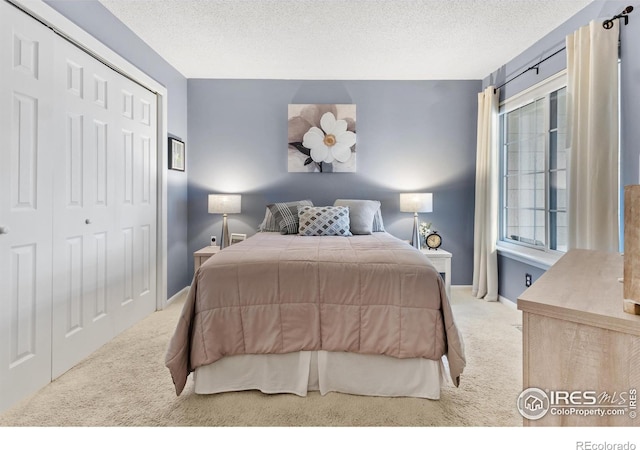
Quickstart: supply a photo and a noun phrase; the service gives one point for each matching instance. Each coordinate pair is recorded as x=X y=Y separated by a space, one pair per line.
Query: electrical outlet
x=527 y=279
x=213 y=240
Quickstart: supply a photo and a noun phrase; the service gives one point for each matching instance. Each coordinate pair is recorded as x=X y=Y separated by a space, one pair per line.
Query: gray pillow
x=324 y=221
x=378 y=224
x=361 y=214
x=286 y=215
x=269 y=223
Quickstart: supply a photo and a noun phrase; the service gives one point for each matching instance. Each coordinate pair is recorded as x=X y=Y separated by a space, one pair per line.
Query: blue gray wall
x=94 y=18
x=411 y=136
x=511 y=272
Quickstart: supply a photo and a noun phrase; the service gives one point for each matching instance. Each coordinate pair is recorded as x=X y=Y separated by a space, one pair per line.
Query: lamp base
x=415 y=237
x=224 y=238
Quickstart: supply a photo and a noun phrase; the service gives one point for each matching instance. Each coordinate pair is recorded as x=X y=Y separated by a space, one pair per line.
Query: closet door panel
x=84 y=216
x=137 y=200
x=105 y=184
x=25 y=205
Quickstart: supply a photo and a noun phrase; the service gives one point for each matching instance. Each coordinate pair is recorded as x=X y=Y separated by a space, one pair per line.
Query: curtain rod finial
x=608 y=24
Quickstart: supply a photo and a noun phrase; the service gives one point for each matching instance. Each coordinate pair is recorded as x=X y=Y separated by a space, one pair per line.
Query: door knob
x=87 y=221
x=4 y=230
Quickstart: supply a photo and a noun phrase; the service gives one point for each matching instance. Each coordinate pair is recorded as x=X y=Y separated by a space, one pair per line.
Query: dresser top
x=582 y=287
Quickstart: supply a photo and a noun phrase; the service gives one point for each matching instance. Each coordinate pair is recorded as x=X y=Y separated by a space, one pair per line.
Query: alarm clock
x=434 y=241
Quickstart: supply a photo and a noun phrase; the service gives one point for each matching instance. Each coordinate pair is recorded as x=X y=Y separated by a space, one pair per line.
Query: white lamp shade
x=224 y=203
x=416 y=202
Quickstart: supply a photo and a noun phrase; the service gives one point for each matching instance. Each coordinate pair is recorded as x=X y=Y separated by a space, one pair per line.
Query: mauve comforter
x=273 y=293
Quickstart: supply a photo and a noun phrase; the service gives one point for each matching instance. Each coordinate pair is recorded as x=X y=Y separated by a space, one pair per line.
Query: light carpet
x=125 y=383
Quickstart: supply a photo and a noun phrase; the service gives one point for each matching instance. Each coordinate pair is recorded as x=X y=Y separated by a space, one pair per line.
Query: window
x=534 y=168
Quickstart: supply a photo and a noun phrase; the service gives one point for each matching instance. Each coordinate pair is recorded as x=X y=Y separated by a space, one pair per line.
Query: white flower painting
x=322 y=138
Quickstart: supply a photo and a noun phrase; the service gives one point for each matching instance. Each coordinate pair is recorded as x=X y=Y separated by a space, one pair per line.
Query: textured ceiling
x=341 y=39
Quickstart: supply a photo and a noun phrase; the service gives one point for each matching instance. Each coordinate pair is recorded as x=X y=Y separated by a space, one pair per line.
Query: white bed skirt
x=300 y=372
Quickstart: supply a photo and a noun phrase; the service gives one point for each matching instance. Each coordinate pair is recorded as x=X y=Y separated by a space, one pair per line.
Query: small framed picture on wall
x=176 y=154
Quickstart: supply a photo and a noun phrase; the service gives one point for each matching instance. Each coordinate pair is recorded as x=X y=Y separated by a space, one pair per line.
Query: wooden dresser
x=578 y=341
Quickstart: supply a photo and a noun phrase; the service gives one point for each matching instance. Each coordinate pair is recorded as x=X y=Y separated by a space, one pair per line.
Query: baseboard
x=460 y=286
x=507 y=302
x=177 y=295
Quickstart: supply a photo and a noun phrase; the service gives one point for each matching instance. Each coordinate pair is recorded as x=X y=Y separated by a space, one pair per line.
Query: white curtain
x=592 y=124
x=485 y=256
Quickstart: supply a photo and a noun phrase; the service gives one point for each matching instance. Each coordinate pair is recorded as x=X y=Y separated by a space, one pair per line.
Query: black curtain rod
x=607 y=24
x=534 y=67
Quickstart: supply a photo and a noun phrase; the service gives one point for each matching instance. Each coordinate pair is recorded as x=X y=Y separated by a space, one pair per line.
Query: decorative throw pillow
x=286 y=215
x=323 y=221
x=269 y=223
x=361 y=214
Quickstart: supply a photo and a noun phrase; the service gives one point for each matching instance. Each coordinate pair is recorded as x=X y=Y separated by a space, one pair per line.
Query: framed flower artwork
x=322 y=138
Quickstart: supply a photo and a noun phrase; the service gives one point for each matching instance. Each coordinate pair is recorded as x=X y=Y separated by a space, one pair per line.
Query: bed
x=362 y=314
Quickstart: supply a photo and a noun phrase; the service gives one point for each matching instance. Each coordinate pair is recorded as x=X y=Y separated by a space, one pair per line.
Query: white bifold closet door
x=104 y=211
x=26 y=159
x=78 y=173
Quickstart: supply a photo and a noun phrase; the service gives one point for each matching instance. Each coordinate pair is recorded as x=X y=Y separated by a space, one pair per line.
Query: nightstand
x=441 y=259
x=202 y=255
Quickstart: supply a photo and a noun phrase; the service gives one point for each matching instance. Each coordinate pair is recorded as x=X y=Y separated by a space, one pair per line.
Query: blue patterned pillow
x=323 y=221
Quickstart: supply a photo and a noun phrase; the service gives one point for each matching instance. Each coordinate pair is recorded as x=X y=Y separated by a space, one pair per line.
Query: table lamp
x=224 y=204
x=416 y=203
